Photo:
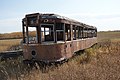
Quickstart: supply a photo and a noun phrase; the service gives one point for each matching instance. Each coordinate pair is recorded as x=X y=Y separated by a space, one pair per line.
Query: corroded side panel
x=44 y=52
x=83 y=43
x=69 y=49
x=56 y=51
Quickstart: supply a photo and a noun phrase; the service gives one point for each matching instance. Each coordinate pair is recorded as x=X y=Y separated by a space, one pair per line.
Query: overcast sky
x=104 y=14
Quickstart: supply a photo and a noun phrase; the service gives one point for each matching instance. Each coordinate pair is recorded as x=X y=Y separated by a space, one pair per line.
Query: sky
x=103 y=14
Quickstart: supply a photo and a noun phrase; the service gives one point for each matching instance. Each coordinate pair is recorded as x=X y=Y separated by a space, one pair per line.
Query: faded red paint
x=52 y=52
x=56 y=50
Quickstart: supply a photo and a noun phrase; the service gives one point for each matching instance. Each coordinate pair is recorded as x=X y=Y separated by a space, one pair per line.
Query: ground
x=100 y=62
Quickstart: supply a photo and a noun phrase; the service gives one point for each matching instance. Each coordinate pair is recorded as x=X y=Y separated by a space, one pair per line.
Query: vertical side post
x=71 y=31
x=96 y=32
x=64 y=36
x=44 y=33
x=39 y=35
x=82 y=32
x=27 y=34
x=23 y=31
x=75 y=32
x=55 y=34
x=78 y=32
x=87 y=32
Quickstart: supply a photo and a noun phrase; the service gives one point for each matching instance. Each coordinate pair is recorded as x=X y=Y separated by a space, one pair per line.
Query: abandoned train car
x=56 y=37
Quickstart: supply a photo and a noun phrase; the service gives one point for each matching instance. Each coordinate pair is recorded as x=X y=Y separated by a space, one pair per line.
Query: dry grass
x=7 y=44
x=101 y=62
x=15 y=35
x=109 y=35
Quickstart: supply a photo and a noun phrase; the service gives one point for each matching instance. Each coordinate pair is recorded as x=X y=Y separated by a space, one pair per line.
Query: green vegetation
x=100 y=62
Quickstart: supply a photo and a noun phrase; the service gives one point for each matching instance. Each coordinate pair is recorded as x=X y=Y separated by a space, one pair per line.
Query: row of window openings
x=48 y=34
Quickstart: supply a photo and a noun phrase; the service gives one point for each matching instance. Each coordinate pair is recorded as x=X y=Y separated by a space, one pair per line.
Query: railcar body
x=55 y=37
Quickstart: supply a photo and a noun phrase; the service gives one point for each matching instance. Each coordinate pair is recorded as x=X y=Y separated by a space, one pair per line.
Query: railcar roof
x=65 y=18
x=56 y=16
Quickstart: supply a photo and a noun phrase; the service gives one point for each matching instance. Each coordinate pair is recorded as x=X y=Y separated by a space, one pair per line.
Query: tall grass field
x=100 y=62
x=8 y=44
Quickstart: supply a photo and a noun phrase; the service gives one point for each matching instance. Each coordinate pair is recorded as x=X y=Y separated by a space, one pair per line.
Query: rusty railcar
x=56 y=37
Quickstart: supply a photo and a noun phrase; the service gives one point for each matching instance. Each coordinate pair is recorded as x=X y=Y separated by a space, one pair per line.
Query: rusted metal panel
x=44 y=52
x=56 y=51
x=68 y=49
